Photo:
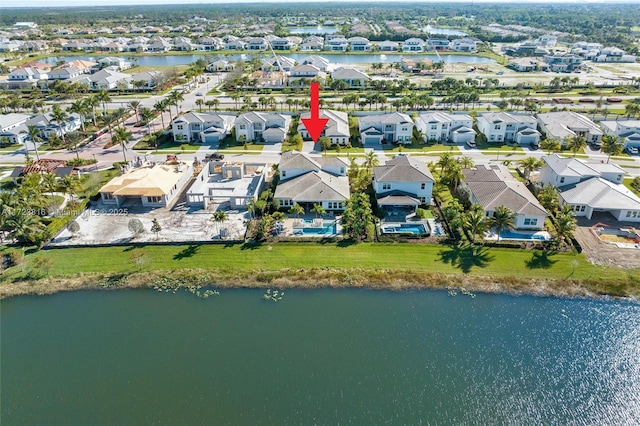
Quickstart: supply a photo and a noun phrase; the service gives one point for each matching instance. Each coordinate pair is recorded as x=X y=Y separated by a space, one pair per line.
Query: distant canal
x=322 y=357
x=170 y=60
x=442 y=31
x=313 y=30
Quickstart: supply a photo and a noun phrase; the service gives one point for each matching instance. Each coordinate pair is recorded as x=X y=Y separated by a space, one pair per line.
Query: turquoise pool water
x=325 y=230
x=512 y=235
x=405 y=228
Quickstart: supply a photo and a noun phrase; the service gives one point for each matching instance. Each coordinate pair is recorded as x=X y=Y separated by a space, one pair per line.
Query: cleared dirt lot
x=103 y=224
x=600 y=252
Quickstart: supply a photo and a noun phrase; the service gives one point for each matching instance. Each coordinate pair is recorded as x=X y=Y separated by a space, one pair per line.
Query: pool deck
x=492 y=236
x=291 y=227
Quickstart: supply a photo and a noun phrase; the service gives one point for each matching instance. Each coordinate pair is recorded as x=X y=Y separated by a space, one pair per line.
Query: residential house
x=612 y=54
x=413 y=45
x=207 y=128
x=12 y=120
x=154 y=186
x=352 y=77
x=411 y=65
x=560 y=171
x=444 y=127
x=317 y=61
x=159 y=45
x=210 y=43
x=402 y=182
x=438 y=44
x=563 y=125
x=114 y=62
x=281 y=43
x=307 y=180
x=492 y=186
x=13 y=127
x=564 y=62
x=394 y=127
x=466 y=44
x=627 y=130
x=256 y=43
x=526 y=64
x=306 y=73
x=312 y=46
x=262 y=126
x=64 y=73
x=235 y=44
x=106 y=79
x=27 y=75
x=278 y=64
x=149 y=78
x=388 y=46
x=47 y=127
x=601 y=195
x=336 y=43
x=547 y=41
x=502 y=127
x=221 y=66
x=227 y=185
x=337 y=128
x=359 y=44
x=44 y=166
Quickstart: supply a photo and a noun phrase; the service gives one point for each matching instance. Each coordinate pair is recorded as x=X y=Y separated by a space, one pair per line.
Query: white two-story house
x=307 y=180
x=394 y=127
x=337 y=128
x=262 y=126
x=502 y=127
x=563 y=125
x=202 y=127
x=403 y=182
x=413 y=45
x=359 y=44
x=444 y=127
x=627 y=130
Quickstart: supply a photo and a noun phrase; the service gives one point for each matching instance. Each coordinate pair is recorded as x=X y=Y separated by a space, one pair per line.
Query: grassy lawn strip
x=408 y=257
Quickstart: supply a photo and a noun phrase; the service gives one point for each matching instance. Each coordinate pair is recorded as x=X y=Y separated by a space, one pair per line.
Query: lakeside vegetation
x=342 y=264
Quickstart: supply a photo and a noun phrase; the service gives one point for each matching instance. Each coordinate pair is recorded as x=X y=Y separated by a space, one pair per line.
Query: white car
x=471 y=143
x=632 y=150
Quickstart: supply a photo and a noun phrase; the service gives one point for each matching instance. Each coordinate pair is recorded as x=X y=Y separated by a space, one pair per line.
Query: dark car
x=216 y=156
x=534 y=146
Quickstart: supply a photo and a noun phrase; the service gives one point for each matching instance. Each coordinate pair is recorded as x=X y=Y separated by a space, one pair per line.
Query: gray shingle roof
x=493 y=188
x=314 y=186
x=402 y=168
x=599 y=193
x=297 y=160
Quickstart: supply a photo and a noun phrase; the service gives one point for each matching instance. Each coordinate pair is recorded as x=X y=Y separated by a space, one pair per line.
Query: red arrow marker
x=315 y=125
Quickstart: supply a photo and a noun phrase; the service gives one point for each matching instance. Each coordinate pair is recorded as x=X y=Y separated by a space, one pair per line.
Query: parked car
x=632 y=150
x=199 y=94
x=534 y=146
x=214 y=156
x=471 y=144
x=97 y=135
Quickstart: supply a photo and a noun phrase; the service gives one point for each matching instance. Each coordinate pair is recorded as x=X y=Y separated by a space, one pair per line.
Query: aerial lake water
x=170 y=60
x=317 y=357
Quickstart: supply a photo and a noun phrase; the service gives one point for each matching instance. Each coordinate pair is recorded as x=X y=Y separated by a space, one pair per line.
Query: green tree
x=220 y=217
x=318 y=210
x=611 y=145
x=296 y=210
x=122 y=136
x=576 y=143
x=61 y=117
x=371 y=160
x=503 y=219
x=135 y=227
x=566 y=223
x=155 y=227
x=34 y=135
x=548 y=197
x=325 y=143
x=358 y=217
x=475 y=222
x=530 y=164
x=550 y=145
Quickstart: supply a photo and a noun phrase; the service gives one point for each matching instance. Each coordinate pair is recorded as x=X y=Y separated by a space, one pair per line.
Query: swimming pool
x=405 y=228
x=507 y=234
x=325 y=230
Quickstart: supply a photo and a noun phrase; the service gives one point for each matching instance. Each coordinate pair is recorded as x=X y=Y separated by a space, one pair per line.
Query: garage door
x=371 y=140
x=212 y=139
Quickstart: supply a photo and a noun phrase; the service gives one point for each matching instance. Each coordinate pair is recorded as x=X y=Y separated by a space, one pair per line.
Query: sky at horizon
x=71 y=3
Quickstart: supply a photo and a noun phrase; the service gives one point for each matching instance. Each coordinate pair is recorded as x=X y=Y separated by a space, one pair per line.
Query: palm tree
x=134 y=105
x=24 y=227
x=92 y=102
x=453 y=174
x=296 y=210
x=61 y=117
x=475 y=222
x=34 y=135
x=161 y=107
x=466 y=162
x=70 y=185
x=530 y=164
x=103 y=96
x=611 y=145
x=576 y=143
x=122 y=136
x=81 y=108
x=446 y=160
x=199 y=102
x=548 y=197
x=565 y=223
x=550 y=145
x=371 y=160
x=318 y=210
x=503 y=218
x=147 y=116
x=49 y=182
x=174 y=98
x=220 y=216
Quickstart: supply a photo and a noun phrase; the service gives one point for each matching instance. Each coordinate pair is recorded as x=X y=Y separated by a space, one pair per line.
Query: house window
x=180 y=127
x=284 y=173
x=497 y=127
x=444 y=126
x=562 y=179
x=386 y=186
x=341 y=170
x=423 y=200
x=423 y=185
x=434 y=127
x=109 y=196
x=493 y=137
x=153 y=199
x=530 y=221
x=619 y=177
x=242 y=126
x=583 y=208
x=344 y=140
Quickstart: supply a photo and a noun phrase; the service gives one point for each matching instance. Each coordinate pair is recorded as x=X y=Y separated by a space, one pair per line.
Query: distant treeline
x=609 y=24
